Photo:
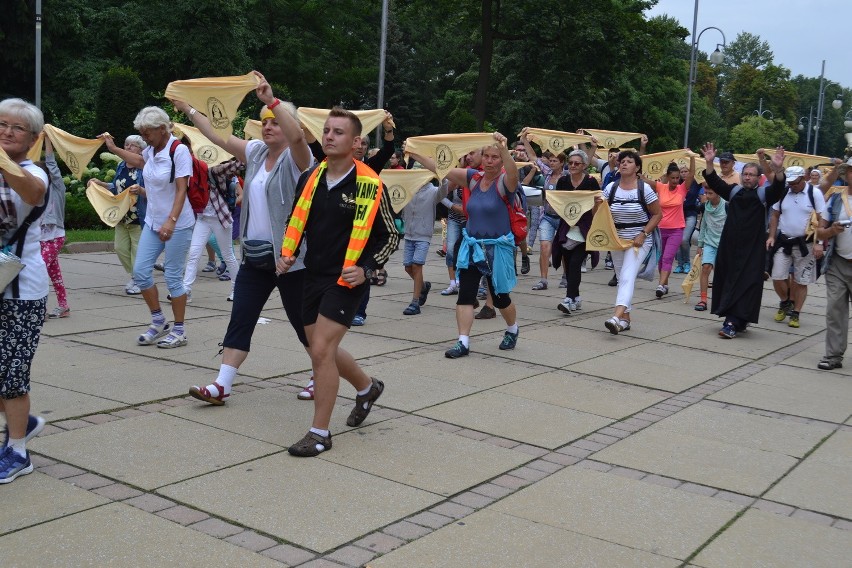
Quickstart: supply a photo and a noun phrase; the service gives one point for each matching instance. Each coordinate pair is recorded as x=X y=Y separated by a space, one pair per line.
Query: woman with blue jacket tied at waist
x=487 y=246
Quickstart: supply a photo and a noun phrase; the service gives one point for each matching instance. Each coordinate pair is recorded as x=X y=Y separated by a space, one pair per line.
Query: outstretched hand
x=709 y=151
x=778 y=158
x=263 y=89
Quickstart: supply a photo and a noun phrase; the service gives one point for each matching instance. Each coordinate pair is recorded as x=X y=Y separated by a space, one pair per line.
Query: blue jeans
x=453 y=235
x=683 y=255
x=150 y=247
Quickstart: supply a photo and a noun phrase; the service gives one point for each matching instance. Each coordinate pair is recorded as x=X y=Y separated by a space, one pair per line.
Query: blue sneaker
x=458 y=350
x=727 y=331
x=358 y=321
x=509 y=341
x=687 y=268
x=35 y=424
x=13 y=465
x=678 y=269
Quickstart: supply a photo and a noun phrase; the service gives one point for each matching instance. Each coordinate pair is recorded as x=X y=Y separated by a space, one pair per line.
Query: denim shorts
x=415 y=252
x=547 y=228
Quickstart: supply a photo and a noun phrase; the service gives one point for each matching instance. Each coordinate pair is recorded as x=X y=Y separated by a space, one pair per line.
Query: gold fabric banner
x=835 y=189
x=611 y=138
x=8 y=165
x=555 y=140
x=253 y=130
x=654 y=165
x=571 y=205
x=790 y=158
x=313 y=119
x=602 y=235
x=403 y=184
x=691 y=278
x=35 y=152
x=446 y=149
x=76 y=152
x=110 y=208
x=217 y=97
x=202 y=147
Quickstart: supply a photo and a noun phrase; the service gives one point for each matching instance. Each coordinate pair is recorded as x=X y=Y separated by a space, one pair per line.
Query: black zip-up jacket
x=330 y=225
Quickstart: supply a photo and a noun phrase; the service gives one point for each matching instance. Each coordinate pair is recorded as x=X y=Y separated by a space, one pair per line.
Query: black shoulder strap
x=811 y=196
x=21 y=233
x=611 y=197
x=175 y=144
x=734 y=190
x=640 y=189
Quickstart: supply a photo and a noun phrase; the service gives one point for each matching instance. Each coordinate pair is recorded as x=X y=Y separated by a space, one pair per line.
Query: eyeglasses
x=575 y=163
x=16 y=128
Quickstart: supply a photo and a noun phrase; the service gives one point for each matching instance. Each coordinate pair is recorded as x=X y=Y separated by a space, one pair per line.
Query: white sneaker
x=450 y=290
x=133 y=290
x=578 y=303
x=583 y=267
x=625 y=324
x=172 y=340
x=613 y=324
x=566 y=306
x=231 y=297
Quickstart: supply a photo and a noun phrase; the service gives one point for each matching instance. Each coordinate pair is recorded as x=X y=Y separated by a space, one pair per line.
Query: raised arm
x=509 y=164
x=132 y=159
x=384 y=154
x=713 y=180
x=829 y=179
x=690 y=177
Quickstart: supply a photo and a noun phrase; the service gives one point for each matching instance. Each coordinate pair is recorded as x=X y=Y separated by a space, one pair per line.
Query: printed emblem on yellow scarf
x=313 y=119
x=253 y=130
x=555 y=140
x=35 y=152
x=691 y=278
x=447 y=149
x=611 y=138
x=403 y=184
x=217 y=97
x=654 y=165
x=6 y=164
x=602 y=235
x=571 y=205
x=76 y=152
x=202 y=147
x=790 y=158
x=110 y=208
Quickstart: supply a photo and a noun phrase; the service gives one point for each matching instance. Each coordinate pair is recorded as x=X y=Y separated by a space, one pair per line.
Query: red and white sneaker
x=308 y=392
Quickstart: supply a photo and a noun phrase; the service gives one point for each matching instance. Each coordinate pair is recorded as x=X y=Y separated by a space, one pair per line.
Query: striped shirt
x=627 y=210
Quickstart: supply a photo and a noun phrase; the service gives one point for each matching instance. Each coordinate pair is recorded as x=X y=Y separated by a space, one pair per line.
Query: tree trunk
x=485 y=56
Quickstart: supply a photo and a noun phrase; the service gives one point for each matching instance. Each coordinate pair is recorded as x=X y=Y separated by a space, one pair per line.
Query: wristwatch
x=369 y=273
x=647 y=234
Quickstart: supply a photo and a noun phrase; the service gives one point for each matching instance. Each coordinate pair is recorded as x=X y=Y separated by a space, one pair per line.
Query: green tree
x=119 y=100
x=756 y=132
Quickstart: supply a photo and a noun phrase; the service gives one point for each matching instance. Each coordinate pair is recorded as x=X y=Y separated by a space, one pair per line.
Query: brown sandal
x=307 y=446
x=359 y=413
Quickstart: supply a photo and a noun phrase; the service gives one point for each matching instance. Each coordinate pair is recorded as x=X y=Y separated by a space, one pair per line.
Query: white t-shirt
x=32 y=280
x=158 y=190
x=258 y=226
x=630 y=212
x=843 y=241
x=796 y=211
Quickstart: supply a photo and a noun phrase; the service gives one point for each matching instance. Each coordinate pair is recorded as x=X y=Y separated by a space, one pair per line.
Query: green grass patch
x=88 y=235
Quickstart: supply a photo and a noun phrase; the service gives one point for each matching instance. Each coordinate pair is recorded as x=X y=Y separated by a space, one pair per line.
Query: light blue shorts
x=415 y=252
x=547 y=228
x=708 y=255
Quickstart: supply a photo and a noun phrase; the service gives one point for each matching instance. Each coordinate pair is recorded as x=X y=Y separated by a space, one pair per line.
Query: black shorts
x=324 y=296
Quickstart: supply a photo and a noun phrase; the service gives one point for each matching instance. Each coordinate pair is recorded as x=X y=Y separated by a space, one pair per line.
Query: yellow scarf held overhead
x=7 y=165
x=571 y=205
x=403 y=184
x=217 y=97
x=602 y=235
x=35 y=152
x=654 y=165
x=447 y=149
x=313 y=119
x=611 y=138
x=555 y=140
x=76 y=152
x=253 y=130
x=110 y=208
x=202 y=147
x=368 y=194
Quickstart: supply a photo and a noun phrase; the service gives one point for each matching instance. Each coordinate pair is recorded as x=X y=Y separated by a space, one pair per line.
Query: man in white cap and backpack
x=791 y=243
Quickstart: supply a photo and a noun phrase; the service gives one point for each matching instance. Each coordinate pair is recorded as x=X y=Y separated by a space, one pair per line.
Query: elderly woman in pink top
x=671 y=194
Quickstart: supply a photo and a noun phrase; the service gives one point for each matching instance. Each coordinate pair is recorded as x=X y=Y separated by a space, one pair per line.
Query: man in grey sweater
x=419 y=219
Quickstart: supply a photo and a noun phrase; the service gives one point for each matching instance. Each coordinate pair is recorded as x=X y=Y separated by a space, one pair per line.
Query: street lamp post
x=810 y=119
x=836 y=103
x=38 y=54
x=716 y=57
x=760 y=112
x=847 y=120
x=380 y=98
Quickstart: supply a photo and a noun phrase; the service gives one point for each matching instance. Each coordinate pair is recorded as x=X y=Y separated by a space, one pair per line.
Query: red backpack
x=517 y=208
x=198 y=189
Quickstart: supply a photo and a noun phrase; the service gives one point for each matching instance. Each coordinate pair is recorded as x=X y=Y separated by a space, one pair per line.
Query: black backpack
x=640 y=188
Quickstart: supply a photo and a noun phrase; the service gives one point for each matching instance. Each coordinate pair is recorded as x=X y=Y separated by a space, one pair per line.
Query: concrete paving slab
x=566 y=389
x=757 y=342
x=536 y=423
x=816 y=483
x=659 y=365
x=747 y=430
x=423 y=333
x=648 y=324
x=762 y=539
x=412 y=389
x=151 y=450
x=270 y=415
x=121 y=535
x=25 y=504
x=480 y=541
x=55 y=403
x=810 y=357
x=792 y=390
x=709 y=462
x=632 y=513
x=422 y=457
x=335 y=504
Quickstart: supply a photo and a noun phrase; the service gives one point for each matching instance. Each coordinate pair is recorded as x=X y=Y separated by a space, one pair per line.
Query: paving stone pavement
x=663 y=446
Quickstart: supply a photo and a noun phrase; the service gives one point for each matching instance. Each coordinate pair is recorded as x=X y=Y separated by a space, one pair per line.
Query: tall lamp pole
x=836 y=103
x=38 y=54
x=810 y=119
x=380 y=99
x=716 y=57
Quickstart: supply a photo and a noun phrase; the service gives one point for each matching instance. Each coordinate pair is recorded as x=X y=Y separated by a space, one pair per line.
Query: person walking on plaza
x=273 y=166
x=53 y=232
x=837 y=266
x=168 y=222
x=343 y=210
x=671 y=196
x=23 y=197
x=788 y=243
x=740 y=261
x=712 y=223
x=419 y=218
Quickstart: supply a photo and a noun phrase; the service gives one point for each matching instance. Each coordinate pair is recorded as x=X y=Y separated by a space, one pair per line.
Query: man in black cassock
x=740 y=261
